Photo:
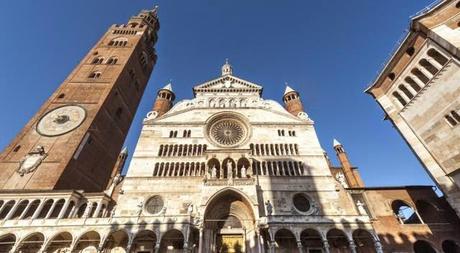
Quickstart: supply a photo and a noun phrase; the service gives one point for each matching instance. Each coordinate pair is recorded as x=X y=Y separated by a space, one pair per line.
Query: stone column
x=299 y=246
x=51 y=209
x=25 y=210
x=425 y=72
x=200 y=242
x=352 y=246
x=13 y=210
x=98 y=209
x=326 y=246
x=157 y=247
x=434 y=63
x=64 y=208
x=418 y=81
x=378 y=247
x=39 y=209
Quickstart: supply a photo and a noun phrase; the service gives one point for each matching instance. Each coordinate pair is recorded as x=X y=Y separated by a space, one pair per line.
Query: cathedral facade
x=226 y=171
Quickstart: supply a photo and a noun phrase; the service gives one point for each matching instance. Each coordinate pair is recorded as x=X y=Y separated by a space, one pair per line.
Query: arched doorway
x=227 y=220
x=364 y=241
x=144 y=241
x=7 y=242
x=172 y=242
x=88 y=242
x=338 y=241
x=117 y=242
x=285 y=242
x=32 y=243
x=449 y=246
x=421 y=246
x=60 y=243
x=311 y=241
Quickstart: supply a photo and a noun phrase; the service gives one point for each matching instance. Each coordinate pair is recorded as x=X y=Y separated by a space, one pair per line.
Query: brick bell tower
x=292 y=101
x=164 y=101
x=74 y=140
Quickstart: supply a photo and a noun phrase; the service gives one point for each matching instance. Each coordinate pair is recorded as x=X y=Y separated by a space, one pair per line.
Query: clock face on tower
x=61 y=120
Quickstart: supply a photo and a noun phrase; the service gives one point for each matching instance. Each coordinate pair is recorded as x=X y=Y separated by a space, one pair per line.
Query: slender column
x=39 y=209
x=426 y=72
x=434 y=63
x=64 y=208
x=326 y=246
x=51 y=209
x=98 y=209
x=299 y=246
x=378 y=247
x=352 y=246
x=25 y=210
x=13 y=210
x=157 y=247
x=404 y=95
x=418 y=81
x=73 y=211
x=411 y=89
x=200 y=242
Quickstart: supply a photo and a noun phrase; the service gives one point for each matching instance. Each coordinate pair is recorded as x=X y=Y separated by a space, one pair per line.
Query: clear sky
x=328 y=50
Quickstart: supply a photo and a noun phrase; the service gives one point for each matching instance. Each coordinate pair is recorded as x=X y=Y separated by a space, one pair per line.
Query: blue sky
x=328 y=50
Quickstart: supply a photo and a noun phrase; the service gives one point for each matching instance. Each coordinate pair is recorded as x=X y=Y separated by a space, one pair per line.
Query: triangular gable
x=228 y=83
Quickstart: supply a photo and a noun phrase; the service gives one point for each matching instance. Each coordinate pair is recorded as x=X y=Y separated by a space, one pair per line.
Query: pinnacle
x=336 y=143
x=288 y=89
x=168 y=87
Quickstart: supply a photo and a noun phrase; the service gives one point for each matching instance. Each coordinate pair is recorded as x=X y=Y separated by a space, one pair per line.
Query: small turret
x=292 y=101
x=351 y=174
x=164 y=100
x=227 y=68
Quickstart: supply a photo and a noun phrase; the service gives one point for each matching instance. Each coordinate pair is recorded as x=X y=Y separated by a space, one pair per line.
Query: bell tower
x=164 y=100
x=74 y=140
x=292 y=101
x=351 y=174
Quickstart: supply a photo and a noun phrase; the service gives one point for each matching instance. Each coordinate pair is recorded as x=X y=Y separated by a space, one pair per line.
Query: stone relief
x=31 y=161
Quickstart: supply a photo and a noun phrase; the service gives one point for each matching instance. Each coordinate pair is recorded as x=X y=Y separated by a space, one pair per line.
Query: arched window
x=399 y=98
x=416 y=72
x=118 y=42
x=406 y=91
x=98 y=60
x=412 y=83
x=95 y=75
x=112 y=60
x=455 y=115
x=405 y=213
x=428 y=66
x=143 y=60
x=451 y=120
x=391 y=76
x=410 y=51
x=439 y=58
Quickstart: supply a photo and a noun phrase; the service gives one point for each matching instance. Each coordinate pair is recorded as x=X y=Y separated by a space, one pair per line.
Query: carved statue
x=190 y=209
x=361 y=208
x=140 y=206
x=269 y=207
x=243 y=172
x=112 y=213
x=87 y=210
x=341 y=178
x=214 y=171
x=163 y=210
x=229 y=169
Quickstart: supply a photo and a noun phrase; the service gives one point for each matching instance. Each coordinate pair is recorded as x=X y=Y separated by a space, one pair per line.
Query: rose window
x=227 y=131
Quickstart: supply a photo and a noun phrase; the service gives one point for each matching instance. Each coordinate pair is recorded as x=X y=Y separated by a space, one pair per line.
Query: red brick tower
x=351 y=174
x=292 y=101
x=164 y=100
x=74 y=140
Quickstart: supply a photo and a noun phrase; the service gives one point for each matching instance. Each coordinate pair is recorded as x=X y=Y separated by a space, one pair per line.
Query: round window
x=301 y=202
x=154 y=204
x=227 y=130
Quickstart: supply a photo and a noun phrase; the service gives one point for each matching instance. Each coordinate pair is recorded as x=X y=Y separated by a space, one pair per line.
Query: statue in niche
x=342 y=180
x=190 y=209
x=269 y=207
x=213 y=171
x=229 y=169
x=87 y=210
x=140 y=206
x=361 y=209
x=243 y=172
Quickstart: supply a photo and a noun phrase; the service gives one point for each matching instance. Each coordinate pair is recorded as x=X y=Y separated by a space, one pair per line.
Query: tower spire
x=292 y=101
x=227 y=68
